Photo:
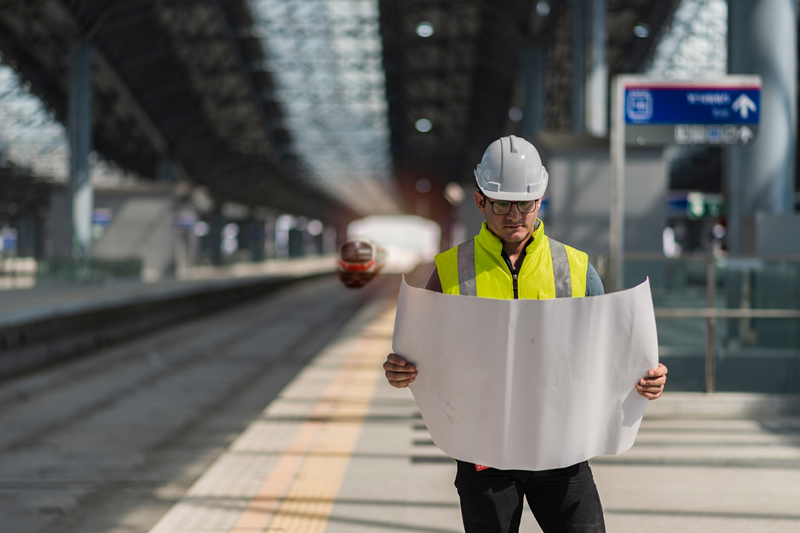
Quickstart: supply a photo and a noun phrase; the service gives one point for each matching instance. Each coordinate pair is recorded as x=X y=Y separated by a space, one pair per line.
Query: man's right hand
x=399 y=372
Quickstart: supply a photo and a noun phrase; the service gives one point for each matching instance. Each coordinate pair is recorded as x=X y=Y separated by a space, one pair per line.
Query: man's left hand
x=652 y=386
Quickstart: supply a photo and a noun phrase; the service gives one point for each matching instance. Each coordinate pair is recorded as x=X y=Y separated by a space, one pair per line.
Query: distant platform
x=49 y=322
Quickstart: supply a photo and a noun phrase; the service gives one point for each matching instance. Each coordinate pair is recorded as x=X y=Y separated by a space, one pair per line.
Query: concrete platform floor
x=170 y=433
x=340 y=451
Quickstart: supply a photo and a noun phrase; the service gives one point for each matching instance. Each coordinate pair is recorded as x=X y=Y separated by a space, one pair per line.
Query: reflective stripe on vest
x=561 y=272
x=466 y=269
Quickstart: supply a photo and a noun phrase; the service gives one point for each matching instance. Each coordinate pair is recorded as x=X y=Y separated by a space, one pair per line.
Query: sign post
x=616 y=237
x=650 y=112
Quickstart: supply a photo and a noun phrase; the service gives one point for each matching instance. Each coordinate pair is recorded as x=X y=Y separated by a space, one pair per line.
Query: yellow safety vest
x=476 y=268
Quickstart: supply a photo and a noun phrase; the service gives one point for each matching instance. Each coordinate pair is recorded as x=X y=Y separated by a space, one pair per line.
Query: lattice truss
x=326 y=59
x=695 y=45
x=33 y=139
x=30 y=137
x=438 y=81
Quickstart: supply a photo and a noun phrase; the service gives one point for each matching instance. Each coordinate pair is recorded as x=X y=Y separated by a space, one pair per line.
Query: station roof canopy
x=307 y=106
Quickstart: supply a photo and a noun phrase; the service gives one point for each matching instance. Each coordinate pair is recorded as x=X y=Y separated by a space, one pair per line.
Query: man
x=511 y=257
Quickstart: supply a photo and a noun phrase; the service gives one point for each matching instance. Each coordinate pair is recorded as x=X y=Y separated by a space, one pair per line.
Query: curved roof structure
x=309 y=106
x=172 y=80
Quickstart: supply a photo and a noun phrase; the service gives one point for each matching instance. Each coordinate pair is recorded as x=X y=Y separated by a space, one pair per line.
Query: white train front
x=359 y=262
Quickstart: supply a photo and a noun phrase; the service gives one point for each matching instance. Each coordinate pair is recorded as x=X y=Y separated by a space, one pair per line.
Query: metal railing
x=25 y=272
x=720 y=288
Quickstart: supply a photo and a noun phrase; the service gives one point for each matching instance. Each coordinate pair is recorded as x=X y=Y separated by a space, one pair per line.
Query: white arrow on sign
x=743 y=105
x=745 y=135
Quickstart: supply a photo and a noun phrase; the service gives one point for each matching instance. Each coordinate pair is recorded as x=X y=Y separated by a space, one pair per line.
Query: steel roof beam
x=104 y=68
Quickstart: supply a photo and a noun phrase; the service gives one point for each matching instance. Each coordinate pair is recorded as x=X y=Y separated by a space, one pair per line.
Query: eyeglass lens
x=503 y=207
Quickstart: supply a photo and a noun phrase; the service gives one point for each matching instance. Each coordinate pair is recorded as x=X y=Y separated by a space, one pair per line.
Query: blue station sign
x=692 y=105
x=722 y=111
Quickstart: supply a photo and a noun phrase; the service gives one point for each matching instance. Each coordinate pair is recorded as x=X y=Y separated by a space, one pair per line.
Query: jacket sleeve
x=434 y=283
x=594 y=285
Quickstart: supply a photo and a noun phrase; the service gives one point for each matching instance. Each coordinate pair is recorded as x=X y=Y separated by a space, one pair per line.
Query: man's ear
x=480 y=201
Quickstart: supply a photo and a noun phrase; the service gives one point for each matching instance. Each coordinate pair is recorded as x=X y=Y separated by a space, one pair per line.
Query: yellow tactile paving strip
x=325 y=407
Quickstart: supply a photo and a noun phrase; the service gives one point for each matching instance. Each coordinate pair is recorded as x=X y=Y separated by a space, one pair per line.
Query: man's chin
x=516 y=235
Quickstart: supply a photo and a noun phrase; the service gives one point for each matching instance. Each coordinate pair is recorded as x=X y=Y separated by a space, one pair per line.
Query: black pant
x=563 y=500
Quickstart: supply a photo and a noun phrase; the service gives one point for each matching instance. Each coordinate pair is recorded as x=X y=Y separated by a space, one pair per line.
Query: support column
x=166 y=171
x=534 y=70
x=217 y=223
x=578 y=110
x=79 y=118
x=255 y=239
x=597 y=79
x=762 y=39
x=270 y=251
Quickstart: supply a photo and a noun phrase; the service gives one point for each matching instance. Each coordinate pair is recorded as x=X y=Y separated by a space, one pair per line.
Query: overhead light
x=201 y=229
x=543 y=8
x=423 y=125
x=230 y=231
x=454 y=193
x=641 y=31
x=285 y=222
x=515 y=114
x=315 y=227
x=424 y=29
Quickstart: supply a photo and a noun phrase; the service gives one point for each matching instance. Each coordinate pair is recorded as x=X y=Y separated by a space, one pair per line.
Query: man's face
x=511 y=227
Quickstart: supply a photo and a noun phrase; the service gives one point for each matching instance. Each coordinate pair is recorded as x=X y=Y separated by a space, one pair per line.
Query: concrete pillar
x=534 y=69
x=270 y=251
x=296 y=243
x=28 y=239
x=165 y=171
x=329 y=240
x=255 y=239
x=216 y=223
x=597 y=77
x=79 y=119
x=762 y=39
x=578 y=110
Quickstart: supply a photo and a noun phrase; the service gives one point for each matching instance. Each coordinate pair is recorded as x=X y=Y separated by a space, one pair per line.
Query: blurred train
x=360 y=261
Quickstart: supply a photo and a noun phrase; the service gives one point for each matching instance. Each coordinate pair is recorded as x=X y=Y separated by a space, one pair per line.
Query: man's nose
x=515 y=207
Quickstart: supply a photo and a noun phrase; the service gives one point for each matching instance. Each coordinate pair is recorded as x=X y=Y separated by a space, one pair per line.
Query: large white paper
x=528 y=384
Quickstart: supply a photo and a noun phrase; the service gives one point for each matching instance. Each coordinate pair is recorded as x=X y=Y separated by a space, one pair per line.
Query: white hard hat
x=511 y=169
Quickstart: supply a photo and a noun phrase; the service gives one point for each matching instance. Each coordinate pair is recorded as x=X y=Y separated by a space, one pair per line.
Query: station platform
x=50 y=300
x=340 y=451
x=274 y=416
x=49 y=322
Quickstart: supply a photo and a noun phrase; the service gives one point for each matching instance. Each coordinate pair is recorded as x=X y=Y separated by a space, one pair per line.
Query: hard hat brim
x=510 y=196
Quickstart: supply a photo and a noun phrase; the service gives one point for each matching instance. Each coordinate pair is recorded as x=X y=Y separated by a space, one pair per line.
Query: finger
x=399 y=384
x=658 y=381
x=640 y=388
x=657 y=372
x=396 y=359
x=649 y=385
x=400 y=376
x=397 y=368
x=650 y=395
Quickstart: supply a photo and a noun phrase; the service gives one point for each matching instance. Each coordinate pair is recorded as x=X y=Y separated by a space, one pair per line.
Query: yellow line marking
x=300 y=491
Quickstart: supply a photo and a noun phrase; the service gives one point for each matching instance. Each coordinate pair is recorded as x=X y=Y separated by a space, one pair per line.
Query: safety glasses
x=503 y=207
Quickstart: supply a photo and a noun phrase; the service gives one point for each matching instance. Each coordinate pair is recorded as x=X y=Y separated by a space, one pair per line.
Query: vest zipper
x=514 y=272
